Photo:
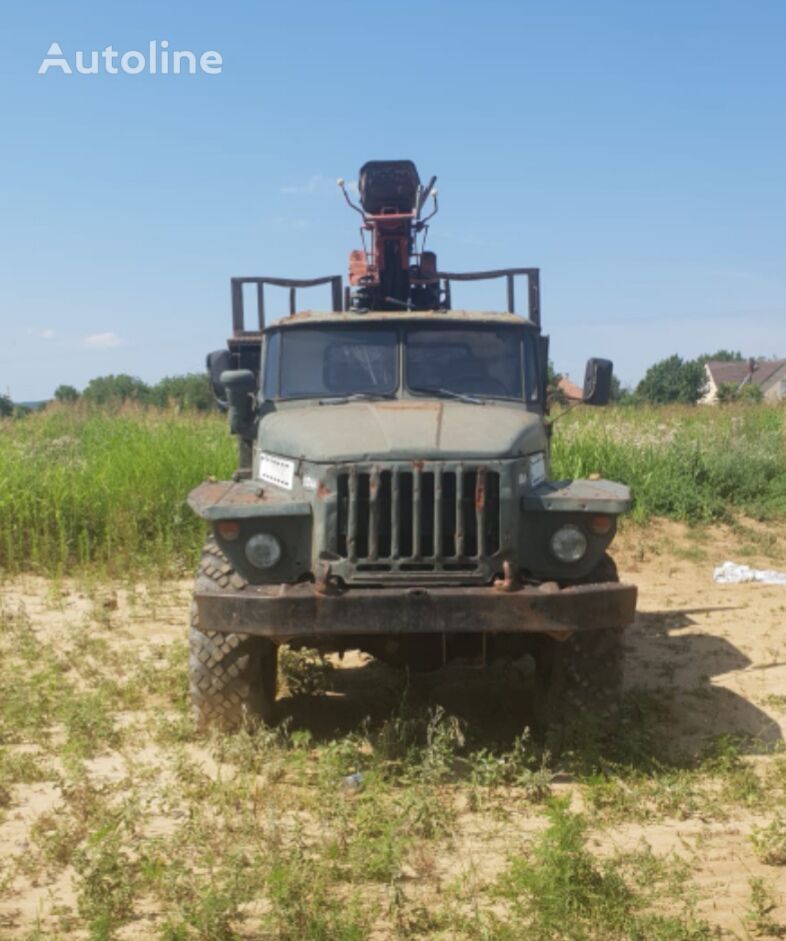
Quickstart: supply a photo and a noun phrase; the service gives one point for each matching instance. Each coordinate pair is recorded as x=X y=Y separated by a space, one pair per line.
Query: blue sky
x=635 y=152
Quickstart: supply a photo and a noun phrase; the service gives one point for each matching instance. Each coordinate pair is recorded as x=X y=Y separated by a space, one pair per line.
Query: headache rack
x=244 y=344
x=338 y=296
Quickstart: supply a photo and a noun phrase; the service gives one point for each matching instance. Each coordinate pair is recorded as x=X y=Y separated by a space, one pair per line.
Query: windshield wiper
x=357 y=397
x=449 y=394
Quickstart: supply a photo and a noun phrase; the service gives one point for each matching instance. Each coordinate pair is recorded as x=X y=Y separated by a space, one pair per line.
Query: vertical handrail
x=238 y=324
x=261 y=306
x=533 y=284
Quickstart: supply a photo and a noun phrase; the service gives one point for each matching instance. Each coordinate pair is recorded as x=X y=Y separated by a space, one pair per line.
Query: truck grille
x=417 y=518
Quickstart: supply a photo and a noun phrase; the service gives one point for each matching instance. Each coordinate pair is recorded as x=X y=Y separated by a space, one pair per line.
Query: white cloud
x=43 y=333
x=103 y=341
x=311 y=186
x=318 y=183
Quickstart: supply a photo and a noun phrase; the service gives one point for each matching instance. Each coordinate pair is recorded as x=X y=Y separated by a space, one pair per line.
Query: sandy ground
x=718 y=651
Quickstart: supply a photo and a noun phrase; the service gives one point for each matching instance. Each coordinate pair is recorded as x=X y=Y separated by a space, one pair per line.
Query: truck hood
x=402 y=430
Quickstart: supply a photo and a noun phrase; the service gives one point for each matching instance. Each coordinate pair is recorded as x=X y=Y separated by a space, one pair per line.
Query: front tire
x=232 y=677
x=579 y=680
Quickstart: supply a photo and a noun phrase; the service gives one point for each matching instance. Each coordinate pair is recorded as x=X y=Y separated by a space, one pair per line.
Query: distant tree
x=66 y=394
x=673 y=380
x=191 y=391
x=6 y=406
x=622 y=395
x=106 y=390
x=553 y=391
x=21 y=411
x=616 y=392
x=721 y=356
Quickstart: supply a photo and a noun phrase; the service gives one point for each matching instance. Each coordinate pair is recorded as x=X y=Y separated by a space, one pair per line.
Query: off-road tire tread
x=232 y=677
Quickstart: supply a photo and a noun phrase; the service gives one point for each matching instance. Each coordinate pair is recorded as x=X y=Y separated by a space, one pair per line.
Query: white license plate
x=276 y=470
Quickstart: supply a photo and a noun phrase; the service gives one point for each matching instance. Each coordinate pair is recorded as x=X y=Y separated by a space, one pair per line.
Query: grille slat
x=416 y=508
x=480 y=511
x=431 y=517
x=373 y=515
x=352 y=519
x=459 y=514
x=437 y=534
x=395 y=529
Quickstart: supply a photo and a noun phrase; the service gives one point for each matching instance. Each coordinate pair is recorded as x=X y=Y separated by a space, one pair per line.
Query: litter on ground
x=732 y=573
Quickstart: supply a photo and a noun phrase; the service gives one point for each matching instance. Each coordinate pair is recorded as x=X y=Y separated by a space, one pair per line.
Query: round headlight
x=263 y=550
x=568 y=543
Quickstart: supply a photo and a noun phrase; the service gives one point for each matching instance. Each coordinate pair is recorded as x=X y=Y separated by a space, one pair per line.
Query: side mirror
x=219 y=362
x=597 y=382
x=240 y=385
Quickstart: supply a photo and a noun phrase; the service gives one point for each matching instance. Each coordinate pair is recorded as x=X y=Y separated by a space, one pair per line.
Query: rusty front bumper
x=297 y=612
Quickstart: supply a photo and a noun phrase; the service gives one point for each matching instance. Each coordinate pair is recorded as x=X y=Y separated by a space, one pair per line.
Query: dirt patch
x=715 y=655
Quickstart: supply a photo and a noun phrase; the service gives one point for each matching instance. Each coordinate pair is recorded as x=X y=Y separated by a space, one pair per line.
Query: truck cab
x=394 y=494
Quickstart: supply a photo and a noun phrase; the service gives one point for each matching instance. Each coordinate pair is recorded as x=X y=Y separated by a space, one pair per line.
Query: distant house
x=569 y=390
x=768 y=375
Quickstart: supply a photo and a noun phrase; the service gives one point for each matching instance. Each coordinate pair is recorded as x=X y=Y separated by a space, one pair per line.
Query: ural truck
x=393 y=490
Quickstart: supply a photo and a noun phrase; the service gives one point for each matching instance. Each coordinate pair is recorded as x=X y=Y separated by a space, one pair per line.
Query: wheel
x=579 y=680
x=232 y=677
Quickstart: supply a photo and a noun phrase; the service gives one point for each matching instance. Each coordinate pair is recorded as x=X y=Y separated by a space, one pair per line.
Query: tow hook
x=510 y=579
x=325 y=583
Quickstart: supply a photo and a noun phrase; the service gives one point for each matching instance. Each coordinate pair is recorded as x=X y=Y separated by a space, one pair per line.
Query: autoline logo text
x=158 y=59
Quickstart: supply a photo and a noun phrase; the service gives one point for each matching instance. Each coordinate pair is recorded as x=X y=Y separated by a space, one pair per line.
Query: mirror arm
x=550 y=422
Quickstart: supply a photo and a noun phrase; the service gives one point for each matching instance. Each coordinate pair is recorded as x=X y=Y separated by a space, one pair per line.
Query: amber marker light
x=228 y=530
x=600 y=524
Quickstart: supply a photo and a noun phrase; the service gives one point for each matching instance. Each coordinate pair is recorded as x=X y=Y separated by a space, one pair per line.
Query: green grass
x=770 y=841
x=100 y=489
x=695 y=464
x=559 y=889
x=81 y=487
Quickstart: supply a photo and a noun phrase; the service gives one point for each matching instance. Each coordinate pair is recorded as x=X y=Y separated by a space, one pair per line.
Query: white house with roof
x=768 y=375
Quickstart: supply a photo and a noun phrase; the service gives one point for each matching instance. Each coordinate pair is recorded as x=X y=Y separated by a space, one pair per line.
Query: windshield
x=482 y=360
x=340 y=361
x=344 y=362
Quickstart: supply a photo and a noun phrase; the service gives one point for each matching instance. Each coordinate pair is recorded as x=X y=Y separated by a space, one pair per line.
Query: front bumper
x=286 y=613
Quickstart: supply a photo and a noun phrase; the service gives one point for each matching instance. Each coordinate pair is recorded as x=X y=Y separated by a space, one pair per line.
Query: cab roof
x=379 y=316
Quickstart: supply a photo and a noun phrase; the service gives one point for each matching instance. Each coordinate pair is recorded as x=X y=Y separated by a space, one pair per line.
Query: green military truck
x=393 y=491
